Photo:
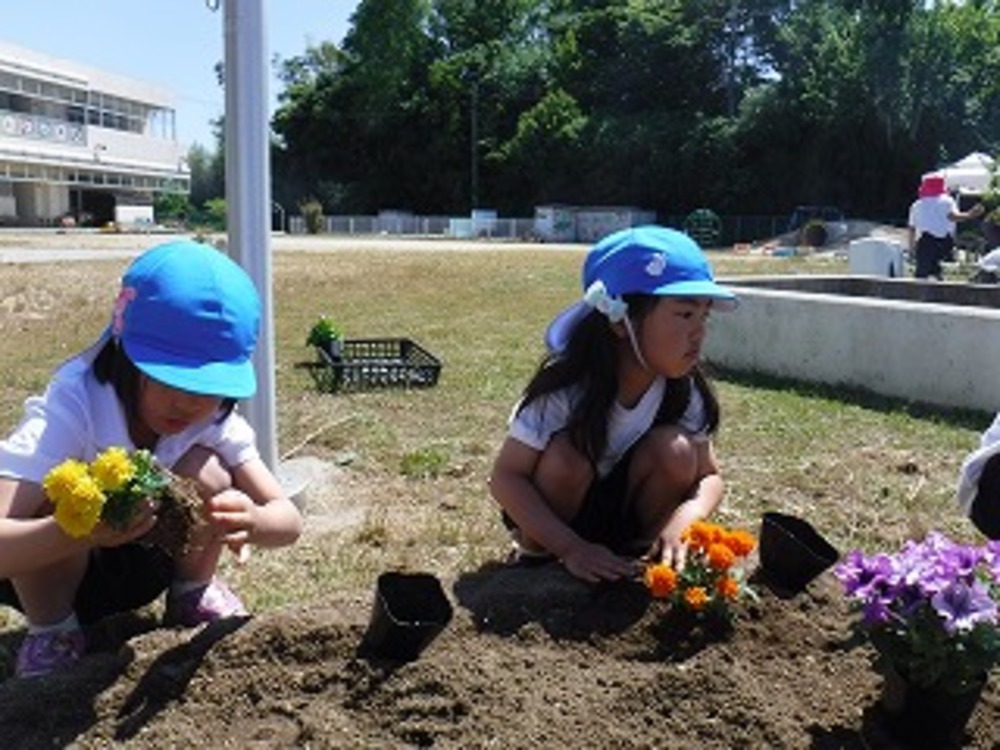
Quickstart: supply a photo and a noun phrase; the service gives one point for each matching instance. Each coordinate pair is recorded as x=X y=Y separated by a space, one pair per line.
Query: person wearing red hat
x=932 y=225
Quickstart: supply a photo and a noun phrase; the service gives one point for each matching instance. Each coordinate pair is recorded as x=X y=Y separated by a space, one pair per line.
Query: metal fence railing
x=729 y=230
x=423 y=226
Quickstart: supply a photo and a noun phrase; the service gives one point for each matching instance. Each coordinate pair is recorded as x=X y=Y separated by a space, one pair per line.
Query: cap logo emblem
x=657 y=265
x=126 y=295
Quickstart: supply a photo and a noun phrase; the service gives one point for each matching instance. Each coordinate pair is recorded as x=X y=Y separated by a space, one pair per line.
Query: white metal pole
x=248 y=193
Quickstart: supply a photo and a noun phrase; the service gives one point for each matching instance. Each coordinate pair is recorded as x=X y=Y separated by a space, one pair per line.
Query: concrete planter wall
x=926 y=342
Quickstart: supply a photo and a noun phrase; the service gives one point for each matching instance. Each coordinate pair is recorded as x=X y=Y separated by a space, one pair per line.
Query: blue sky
x=174 y=44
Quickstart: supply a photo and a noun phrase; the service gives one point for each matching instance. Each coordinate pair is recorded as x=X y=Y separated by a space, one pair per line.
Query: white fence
x=426 y=226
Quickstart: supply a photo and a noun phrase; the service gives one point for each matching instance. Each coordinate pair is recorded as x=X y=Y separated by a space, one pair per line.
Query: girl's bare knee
x=207 y=469
x=563 y=475
x=670 y=455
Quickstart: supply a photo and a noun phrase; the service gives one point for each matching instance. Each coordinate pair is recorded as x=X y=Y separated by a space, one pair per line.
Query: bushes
x=814 y=233
x=312 y=214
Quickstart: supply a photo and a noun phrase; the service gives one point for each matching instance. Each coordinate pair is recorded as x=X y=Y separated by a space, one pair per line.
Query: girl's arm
x=256 y=510
x=705 y=497
x=511 y=484
x=31 y=539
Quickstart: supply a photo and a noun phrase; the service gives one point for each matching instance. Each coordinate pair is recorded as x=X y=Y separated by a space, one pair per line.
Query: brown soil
x=178 y=518
x=531 y=658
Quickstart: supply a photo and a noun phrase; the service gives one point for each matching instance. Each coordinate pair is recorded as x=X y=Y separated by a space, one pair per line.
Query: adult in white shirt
x=932 y=225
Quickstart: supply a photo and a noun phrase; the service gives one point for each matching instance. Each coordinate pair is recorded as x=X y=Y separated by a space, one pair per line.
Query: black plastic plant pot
x=792 y=552
x=410 y=610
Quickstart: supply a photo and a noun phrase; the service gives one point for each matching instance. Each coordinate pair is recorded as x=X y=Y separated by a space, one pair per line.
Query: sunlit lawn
x=411 y=466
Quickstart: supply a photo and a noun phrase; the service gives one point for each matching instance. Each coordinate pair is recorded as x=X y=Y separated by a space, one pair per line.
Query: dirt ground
x=530 y=659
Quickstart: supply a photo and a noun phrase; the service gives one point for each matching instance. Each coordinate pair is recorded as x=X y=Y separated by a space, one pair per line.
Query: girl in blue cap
x=609 y=455
x=165 y=376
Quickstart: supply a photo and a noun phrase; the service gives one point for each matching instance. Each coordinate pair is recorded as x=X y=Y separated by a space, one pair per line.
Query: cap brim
x=722 y=299
x=561 y=328
x=221 y=379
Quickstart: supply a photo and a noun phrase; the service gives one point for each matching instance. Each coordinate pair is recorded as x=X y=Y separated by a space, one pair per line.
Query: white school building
x=79 y=145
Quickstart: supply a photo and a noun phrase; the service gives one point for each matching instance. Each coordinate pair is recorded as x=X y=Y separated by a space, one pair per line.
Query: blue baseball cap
x=188 y=316
x=640 y=260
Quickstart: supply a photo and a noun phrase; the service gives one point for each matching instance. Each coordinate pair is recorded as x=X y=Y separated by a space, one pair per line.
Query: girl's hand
x=672 y=551
x=143 y=519
x=232 y=516
x=595 y=562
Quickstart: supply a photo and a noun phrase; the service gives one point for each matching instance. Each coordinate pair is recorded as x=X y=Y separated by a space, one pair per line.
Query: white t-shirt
x=931 y=215
x=545 y=416
x=77 y=417
x=974 y=463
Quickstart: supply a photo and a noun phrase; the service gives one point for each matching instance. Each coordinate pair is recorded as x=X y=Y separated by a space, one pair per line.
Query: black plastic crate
x=376 y=363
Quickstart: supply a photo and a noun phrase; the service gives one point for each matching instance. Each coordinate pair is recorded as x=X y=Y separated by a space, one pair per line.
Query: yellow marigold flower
x=728 y=587
x=696 y=597
x=661 y=580
x=740 y=542
x=720 y=557
x=112 y=469
x=78 y=513
x=61 y=481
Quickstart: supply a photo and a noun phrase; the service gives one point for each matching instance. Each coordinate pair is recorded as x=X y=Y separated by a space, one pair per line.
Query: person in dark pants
x=932 y=226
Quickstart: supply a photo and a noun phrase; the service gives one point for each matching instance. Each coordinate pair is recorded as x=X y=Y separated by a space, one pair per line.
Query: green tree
x=207 y=175
x=867 y=95
x=358 y=116
x=171 y=207
x=743 y=105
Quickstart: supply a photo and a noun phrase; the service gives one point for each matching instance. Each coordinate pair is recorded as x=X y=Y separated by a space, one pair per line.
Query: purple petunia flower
x=860 y=574
x=876 y=611
x=992 y=558
x=926 y=606
x=962 y=607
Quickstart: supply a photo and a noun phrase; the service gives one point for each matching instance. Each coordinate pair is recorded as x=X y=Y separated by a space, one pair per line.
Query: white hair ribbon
x=616 y=311
x=597 y=297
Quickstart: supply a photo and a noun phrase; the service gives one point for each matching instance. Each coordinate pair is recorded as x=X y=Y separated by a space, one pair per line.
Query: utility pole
x=731 y=37
x=474 y=141
x=248 y=194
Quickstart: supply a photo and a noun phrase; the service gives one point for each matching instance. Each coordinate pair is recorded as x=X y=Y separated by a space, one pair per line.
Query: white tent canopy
x=970 y=174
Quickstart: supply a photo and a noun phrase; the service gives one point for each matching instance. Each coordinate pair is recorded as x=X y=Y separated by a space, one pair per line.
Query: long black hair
x=590 y=362
x=112 y=365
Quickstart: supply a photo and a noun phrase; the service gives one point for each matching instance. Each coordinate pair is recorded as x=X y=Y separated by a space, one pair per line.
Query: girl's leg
x=54 y=641
x=212 y=477
x=196 y=596
x=47 y=595
x=562 y=478
x=662 y=475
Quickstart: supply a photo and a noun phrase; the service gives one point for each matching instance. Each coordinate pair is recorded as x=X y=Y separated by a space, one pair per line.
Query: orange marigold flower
x=701 y=534
x=740 y=542
x=661 y=580
x=720 y=556
x=728 y=587
x=696 y=597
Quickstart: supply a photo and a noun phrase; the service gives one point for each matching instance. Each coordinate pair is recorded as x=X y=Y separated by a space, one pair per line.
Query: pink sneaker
x=43 y=653
x=214 y=601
